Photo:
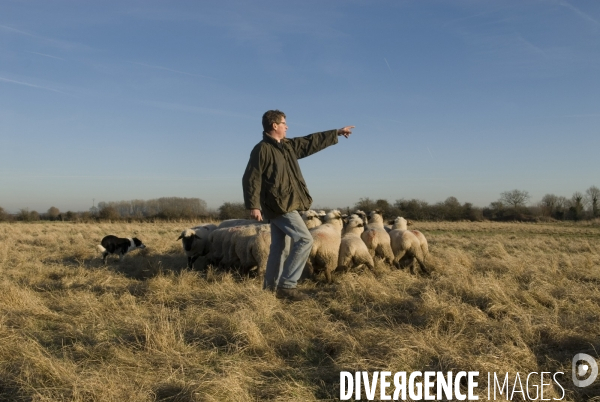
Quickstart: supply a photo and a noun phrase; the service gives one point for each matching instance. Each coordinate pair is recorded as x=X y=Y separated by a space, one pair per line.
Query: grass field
x=503 y=298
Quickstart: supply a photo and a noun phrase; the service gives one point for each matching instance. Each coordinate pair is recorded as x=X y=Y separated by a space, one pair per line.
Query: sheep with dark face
x=377 y=238
x=195 y=242
x=353 y=251
x=410 y=244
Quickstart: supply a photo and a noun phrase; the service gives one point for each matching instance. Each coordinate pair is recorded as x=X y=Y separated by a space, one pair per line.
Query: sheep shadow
x=139 y=265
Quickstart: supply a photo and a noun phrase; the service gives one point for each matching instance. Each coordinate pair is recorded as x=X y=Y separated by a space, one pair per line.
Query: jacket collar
x=267 y=138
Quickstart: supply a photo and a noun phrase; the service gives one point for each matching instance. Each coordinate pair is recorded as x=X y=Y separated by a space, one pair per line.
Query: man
x=274 y=184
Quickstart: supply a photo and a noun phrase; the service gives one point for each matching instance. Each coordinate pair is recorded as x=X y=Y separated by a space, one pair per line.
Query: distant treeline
x=511 y=206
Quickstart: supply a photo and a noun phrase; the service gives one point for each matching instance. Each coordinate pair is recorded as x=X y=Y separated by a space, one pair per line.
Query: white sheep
x=228 y=223
x=216 y=239
x=326 y=246
x=311 y=218
x=377 y=238
x=257 y=251
x=238 y=245
x=353 y=251
x=195 y=242
x=408 y=243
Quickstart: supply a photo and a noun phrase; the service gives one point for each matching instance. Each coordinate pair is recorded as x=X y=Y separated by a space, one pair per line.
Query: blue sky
x=111 y=101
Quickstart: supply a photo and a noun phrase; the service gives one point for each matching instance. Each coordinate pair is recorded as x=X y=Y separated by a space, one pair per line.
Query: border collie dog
x=118 y=245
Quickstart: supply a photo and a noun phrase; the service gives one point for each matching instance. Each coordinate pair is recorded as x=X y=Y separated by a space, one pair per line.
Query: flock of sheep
x=340 y=242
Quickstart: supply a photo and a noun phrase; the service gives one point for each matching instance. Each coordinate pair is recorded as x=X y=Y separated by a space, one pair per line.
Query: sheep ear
x=180 y=236
x=197 y=237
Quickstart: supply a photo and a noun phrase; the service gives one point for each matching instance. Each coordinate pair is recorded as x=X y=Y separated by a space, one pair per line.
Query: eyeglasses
x=283 y=122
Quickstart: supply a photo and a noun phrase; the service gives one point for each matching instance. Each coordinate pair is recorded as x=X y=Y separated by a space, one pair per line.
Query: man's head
x=274 y=123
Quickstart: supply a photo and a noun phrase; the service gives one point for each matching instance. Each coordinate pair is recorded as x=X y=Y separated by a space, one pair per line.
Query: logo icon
x=584 y=365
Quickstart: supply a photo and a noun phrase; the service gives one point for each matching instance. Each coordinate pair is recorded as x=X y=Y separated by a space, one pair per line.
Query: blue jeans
x=286 y=276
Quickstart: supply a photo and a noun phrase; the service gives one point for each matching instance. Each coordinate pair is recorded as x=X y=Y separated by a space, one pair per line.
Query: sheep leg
x=389 y=255
x=420 y=260
x=104 y=255
x=398 y=257
x=191 y=261
x=328 y=275
x=422 y=265
x=412 y=266
x=309 y=270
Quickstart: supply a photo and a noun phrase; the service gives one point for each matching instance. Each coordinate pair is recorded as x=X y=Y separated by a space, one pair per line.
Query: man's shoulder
x=261 y=145
x=262 y=148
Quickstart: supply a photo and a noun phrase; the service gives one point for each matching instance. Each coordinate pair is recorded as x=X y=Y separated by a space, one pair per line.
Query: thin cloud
x=171 y=70
x=27 y=84
x=55 y=42
x=388 y=65
x=577 y=11
x=45 y=55
x=531 y=46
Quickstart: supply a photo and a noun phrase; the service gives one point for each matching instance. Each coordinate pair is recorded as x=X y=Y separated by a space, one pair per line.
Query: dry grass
x=503 y=298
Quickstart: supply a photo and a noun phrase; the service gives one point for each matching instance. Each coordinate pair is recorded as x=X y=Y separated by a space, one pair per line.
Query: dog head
x=136 y=243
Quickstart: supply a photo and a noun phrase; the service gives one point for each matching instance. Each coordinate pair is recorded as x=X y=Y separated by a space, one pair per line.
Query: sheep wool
x=377 y=238
x=408 y=244
x=326 y=246
x=353 y=251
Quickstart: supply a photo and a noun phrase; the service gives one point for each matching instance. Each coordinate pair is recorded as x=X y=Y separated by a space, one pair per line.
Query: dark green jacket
x=273 y=181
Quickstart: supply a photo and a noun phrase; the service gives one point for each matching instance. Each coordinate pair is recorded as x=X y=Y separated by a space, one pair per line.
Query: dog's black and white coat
x=118 y=245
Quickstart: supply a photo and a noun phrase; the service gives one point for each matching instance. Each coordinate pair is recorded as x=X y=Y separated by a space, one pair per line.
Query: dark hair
x=270 y=117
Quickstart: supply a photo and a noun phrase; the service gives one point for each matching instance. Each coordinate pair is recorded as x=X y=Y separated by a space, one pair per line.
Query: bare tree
x=592 y=195
x=515 y=198
x=576 y=208
x=548 y=204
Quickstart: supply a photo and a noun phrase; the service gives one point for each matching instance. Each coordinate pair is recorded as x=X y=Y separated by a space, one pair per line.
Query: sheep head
x=354 y=225
x=375 y=217
x=335 y=218
x=400 y=223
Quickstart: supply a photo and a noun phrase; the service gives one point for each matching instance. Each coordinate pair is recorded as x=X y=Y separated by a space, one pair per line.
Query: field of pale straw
x=503 y=298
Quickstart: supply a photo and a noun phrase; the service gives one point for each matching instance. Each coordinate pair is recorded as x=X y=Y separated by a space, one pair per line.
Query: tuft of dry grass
x=503 y=297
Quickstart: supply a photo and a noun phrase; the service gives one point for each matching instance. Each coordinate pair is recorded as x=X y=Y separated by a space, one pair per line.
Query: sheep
x=226 y=260
x=228 y=223
x=238 y=242
x=402 y=224
x=195 y=242
x=257 y=251
x=410 y=243
x=225 y=250
x=362 y=215
x=326 y=246
x=311 y=218
x=216 y=239
x=353 y=251
x=377 y=239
